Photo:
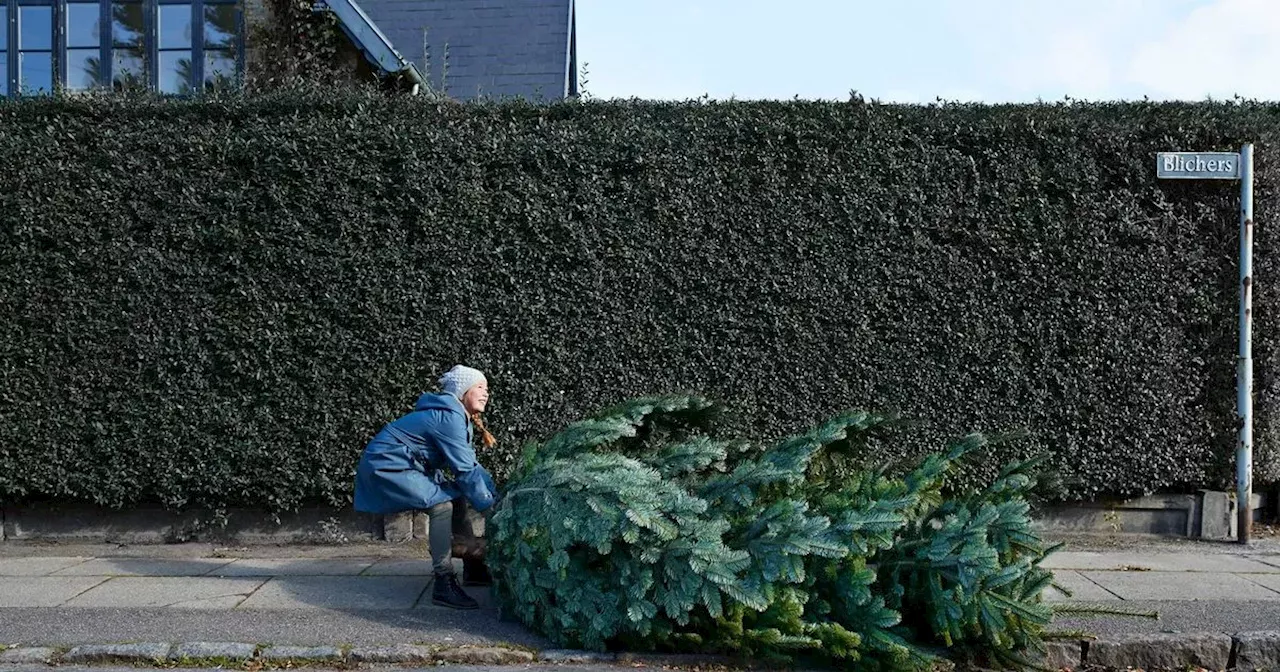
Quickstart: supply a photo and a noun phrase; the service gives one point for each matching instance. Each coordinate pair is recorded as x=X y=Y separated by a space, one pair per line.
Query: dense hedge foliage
x=217 y=302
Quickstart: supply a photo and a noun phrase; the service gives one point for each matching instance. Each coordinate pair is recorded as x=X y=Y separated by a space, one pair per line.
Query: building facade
x=464 y=48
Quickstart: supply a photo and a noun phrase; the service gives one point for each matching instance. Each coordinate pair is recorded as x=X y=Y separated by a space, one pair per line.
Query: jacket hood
x=430 y=401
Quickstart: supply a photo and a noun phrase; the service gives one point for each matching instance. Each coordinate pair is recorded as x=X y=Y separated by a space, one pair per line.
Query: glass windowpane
x=175 y=27
x=219 y=26
x=4 y=74
x=4 y=31
x=175 y=72
x=219 y=69
x=84 y=69
x=127 y=24
x=82 y=24
x=35 y=73
x=35 y=27
x=128 y=69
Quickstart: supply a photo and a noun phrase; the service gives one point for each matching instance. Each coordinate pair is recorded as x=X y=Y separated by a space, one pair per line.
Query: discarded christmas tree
x=632 y=529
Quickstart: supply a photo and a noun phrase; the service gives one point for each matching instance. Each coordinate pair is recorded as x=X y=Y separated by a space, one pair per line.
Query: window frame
x=9 y=27
x=106 y=43
x=61 y=46
x=13 y=54
x=149 y=29
x=202 y=51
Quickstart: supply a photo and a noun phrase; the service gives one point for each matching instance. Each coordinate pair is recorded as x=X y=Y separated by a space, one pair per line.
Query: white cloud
x=1106 y=49
x=1045 y=48
x=1079 y=61
x=1225 y=48
x=918 y=50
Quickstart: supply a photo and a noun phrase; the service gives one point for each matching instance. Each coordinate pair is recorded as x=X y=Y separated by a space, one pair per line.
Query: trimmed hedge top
x=217 y=302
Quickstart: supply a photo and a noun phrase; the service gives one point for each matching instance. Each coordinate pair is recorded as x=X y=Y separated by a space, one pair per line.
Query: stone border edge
x=163 y=654
x=1242 y=650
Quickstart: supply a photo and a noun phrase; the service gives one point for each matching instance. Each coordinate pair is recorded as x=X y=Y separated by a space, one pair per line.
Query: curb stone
x=676 y=660
x=28 y=654
x=399 y=653
x=198 y=650
x=1063 y=654
x=138 y=653
x=576 y=656
x=316 y=653
x=1257 y=650
x=486 y=655
x=1162 y=651
x=1246 y=651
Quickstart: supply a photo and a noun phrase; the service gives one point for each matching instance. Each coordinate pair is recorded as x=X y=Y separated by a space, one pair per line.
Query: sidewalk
x=174 y=594
x=1192 y=591
x=379 y=595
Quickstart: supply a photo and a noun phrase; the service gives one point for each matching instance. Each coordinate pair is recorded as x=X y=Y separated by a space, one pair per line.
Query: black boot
x=447 y=593
x=475 y=573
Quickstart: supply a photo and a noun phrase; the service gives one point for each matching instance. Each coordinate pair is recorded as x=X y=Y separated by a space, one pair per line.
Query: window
x=84 y=45
x=4 y=50
x=35 y=49
x=221 y=46
x=176 y=72
x=172 y=46
x=128 y=45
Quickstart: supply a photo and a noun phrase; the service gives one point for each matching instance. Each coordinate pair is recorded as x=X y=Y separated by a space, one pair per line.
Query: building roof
x=492 y=48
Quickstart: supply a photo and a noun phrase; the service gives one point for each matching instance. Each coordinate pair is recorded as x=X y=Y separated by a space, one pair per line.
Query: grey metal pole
x=1244 y=362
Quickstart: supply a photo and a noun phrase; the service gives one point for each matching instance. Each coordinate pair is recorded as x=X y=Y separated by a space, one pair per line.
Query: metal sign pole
x=1244 y=362
x=1230 y=166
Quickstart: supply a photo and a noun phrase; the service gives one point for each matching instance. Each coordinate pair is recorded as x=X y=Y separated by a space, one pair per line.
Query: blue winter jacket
x=407 y=465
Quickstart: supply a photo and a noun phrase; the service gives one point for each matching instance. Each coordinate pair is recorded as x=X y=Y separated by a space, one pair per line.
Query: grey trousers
x=450 y=520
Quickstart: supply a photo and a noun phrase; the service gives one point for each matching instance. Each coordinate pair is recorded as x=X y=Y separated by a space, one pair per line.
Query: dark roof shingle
x=494 y=48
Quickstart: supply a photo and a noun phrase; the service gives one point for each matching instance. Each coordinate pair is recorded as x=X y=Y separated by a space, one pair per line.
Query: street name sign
x=1198 y=165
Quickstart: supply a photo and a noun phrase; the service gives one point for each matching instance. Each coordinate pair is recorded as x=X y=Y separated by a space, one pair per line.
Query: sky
x=917 y=51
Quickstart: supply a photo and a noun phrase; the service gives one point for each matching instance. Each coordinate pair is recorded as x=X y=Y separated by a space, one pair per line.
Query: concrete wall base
x=1207 y=514
x=1204 y=515
x=81 y=523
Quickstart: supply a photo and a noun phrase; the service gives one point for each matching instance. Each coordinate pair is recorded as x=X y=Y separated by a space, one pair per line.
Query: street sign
x=1198 y=165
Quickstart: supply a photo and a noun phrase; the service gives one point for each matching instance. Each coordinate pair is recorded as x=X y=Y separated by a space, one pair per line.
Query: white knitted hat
x=459 y=379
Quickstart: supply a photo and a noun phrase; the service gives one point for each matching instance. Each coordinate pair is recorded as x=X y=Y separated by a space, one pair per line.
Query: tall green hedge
x=217 y=302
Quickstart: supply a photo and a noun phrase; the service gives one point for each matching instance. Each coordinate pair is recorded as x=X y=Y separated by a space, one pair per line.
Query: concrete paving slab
x=338 y=592
x=1082 y=589
x=1182 y=586
x=1160 y=562
x=227 y=602
x=294 y=567
x=43 y=591
x=143 y=567
x=1272 y=560
x=301 y=627
x=168 y=591
x=1271 y=581
x=399 y=568
x=36 y=566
